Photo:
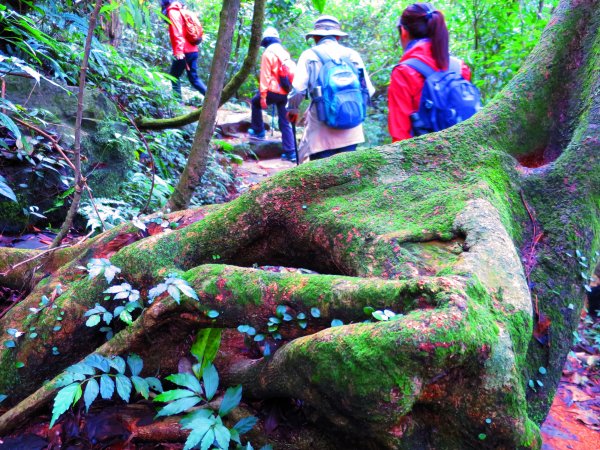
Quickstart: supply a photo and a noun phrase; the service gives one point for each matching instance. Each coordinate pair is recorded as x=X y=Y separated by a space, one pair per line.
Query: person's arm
x=400 y=102
x=176 y=33
x=266 y=68
x=299 y=86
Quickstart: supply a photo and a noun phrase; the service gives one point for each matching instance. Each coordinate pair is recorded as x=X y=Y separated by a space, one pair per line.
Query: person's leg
x=177 y=69
x=335 y=151
x=287 y=136
x=257 y=124
x=192 y=72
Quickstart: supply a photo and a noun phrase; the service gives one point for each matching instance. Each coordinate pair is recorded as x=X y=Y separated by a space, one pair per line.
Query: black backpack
x=447 y=98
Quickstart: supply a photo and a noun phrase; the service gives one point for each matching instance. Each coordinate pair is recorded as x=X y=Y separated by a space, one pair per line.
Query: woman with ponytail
x=424 y=36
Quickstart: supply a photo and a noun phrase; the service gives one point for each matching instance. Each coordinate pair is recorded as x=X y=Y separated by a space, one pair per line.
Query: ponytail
x=422 y=20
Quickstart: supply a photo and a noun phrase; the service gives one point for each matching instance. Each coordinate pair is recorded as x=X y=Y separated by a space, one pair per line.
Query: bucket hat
x=326 y=26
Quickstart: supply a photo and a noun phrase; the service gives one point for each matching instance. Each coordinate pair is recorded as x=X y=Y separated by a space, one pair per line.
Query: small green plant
x=101 y=375
x=102 y=266
x=196 y=390
x=174 y=286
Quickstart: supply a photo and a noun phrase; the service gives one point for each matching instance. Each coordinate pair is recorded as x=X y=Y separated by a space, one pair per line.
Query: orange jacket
x=406 y=85
x=178 y=41
x=269 y=69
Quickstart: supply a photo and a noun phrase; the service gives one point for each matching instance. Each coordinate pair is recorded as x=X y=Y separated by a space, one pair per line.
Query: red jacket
x=406 y=85
x=178 y=41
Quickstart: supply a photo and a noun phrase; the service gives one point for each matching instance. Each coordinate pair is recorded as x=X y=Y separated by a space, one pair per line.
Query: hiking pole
x=295 y=143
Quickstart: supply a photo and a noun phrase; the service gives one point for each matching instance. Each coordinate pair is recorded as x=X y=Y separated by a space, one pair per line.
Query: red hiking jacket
x=178 y=42
x=406 y=85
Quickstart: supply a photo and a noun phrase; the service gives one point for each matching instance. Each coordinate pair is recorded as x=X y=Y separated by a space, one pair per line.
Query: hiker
x=185 y=53
x=273 y=91
x=328 y=133
x=424 y=37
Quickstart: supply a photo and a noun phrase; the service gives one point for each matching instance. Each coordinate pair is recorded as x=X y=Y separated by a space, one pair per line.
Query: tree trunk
x=475 y=235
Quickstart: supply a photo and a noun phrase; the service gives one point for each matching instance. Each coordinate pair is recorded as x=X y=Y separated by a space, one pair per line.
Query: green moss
x=11 y=216
x=10 y=374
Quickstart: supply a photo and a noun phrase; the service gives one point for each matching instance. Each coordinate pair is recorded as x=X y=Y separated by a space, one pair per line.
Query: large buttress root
x=429 y=228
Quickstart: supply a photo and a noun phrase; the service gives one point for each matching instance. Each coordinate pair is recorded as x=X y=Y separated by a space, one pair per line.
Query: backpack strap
x=323 y=56
x=455 y=66
x=419 y=66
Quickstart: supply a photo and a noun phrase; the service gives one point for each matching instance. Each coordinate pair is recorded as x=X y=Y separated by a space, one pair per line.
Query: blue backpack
x=447 y=98
x=343 y=97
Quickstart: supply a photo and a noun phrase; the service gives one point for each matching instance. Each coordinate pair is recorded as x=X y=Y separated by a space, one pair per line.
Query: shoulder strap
x=419 y=66
x=455 y=66
x=323 y=56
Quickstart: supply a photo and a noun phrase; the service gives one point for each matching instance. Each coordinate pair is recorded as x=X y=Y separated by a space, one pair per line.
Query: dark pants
x=190 y=65
x=279 y=100
x=335 y=151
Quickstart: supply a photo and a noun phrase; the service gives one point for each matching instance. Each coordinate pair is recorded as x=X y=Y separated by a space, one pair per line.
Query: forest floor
x=574 y=419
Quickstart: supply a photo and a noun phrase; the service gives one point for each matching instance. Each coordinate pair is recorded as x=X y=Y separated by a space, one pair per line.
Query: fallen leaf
x=587 y=417
x=577 y=394
x=541 y=328
x=120 y=241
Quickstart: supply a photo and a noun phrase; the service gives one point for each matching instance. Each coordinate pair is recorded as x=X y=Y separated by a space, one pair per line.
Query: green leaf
x=63 y=400
x=107 y=387
x=259 y=337
x=188 y=422
x=135 y=364
x=117 y=363
x=336 y=323
x=123 y=387
x=378 y=315
x=211 y=381
x=173 y=394
x=141 y=386
x=281 y=310
x=213 y=314
x=186 y=380
x=7 y=122
x=81 y=368
x=222 y=436
x=542 y=370
x=5 y=189
x=231 y=399
x=179 y=406
x=208 y=439
x=93 y=320
x=187 y=290
x=10 y=344
x=154 y=384
x=98 y=361
x=315 y=312
x=246 y=424
x=206 y=346
x=91 y=392
x=319 y=5
x=201 y=427
x=174 y=292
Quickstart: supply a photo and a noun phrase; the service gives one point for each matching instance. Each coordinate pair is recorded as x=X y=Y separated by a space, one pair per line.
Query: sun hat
x=326 y=26
x=270 y=32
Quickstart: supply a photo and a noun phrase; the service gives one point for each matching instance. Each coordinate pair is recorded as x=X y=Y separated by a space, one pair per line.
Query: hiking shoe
x=256 y=134
x=289 y=156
